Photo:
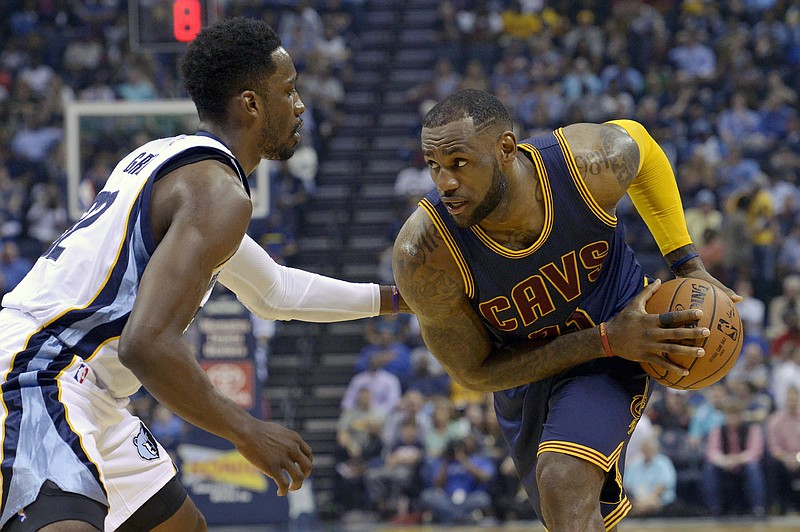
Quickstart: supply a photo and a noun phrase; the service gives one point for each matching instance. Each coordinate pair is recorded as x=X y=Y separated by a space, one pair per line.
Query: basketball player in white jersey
x=104 y=310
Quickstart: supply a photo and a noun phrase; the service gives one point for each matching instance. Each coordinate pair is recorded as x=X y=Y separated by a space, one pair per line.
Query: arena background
x=84 y=81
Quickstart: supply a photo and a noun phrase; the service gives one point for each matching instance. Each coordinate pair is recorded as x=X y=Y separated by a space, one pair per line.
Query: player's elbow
x=135 y=350
x=473 y=379
x=128 y=350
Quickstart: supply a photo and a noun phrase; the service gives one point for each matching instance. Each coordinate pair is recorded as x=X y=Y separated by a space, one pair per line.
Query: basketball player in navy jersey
x=104 y=310
x=519 y=274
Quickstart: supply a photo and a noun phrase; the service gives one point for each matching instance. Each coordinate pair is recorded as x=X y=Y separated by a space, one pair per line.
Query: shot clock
x=167 y=25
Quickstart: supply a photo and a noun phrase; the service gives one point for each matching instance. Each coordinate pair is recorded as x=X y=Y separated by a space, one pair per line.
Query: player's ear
x=507 y=145
x=249 y=101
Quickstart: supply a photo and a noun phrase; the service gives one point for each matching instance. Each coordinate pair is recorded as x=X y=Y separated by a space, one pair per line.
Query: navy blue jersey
x=578 y=273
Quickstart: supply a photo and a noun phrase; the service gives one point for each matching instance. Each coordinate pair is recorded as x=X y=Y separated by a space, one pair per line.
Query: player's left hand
x=700 y=273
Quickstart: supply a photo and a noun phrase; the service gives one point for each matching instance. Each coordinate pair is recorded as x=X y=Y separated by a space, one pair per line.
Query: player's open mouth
x=455 y=207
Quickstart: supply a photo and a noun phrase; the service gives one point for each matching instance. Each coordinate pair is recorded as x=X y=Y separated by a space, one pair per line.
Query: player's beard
x=276 y=149
x=494 y=196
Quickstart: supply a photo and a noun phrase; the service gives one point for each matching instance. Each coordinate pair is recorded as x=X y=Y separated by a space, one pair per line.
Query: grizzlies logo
x=145 y=443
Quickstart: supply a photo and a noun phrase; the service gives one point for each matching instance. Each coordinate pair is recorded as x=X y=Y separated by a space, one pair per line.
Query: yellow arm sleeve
x=654 y=191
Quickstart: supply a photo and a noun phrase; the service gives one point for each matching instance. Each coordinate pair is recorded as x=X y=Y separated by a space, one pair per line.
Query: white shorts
x=59 y=425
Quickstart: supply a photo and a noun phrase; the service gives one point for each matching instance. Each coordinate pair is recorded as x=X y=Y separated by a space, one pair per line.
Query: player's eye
x=458 y=163
x=432 y=165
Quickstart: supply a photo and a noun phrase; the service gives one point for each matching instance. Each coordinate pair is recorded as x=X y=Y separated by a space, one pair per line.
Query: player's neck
x=518 y=223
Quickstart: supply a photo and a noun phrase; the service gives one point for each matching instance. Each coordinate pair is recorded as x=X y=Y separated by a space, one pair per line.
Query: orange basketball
x=722 y=346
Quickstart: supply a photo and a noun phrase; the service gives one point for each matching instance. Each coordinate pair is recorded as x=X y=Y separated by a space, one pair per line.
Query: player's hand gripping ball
x=722 y=346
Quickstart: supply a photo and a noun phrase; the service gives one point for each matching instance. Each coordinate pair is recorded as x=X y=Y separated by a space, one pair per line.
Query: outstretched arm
x=273 y=291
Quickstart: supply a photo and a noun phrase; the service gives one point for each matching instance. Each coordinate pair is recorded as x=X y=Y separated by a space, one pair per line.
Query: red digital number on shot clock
x=187 y=19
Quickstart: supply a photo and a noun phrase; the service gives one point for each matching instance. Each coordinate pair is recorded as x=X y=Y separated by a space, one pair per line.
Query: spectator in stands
x=752 y=311
x=394 y=481
x=384 y=387
x=445 y=427
x=783 y=347
x=358 y=443
x=585 y=39
x=37 y=137
x=703 y=215
x=786 y=375
x=626 y=77
x=757 y=402
x=137 y=84
x=333 y=47
x=783 y=443
x=650 y=480
x=580 y=82
x=738 y=124
x=738 y=239
x=386 y=348
x=460 y=478
x=708 y=415
x=672 y=414
x=787 y=300
x=475 y=76
x=413 y=181
x=752 y=365
x=733 y=459
x=789 y=255
x=693 y=57
x=429 y=377
x=46 y=216
x=411 y=407
x=13 y=266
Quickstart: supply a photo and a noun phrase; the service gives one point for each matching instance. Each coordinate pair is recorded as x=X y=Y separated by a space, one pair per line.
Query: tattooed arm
x=432 y=285
x=621 y=157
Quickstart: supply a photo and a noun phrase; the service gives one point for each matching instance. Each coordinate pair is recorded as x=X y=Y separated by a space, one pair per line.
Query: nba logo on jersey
x=81 y=373
x=145 y=443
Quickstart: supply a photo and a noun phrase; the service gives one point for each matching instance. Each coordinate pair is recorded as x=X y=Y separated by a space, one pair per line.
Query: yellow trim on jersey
x=618 y=514
x=581 y=451
x=548 y=213
x=99 y=347
x=469 y=285
x=580 y=184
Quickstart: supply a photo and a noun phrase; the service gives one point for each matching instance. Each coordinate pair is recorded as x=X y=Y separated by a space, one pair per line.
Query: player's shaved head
x=485 y=110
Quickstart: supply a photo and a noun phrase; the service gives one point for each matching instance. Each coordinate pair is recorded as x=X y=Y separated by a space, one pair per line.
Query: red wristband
x=604 y=339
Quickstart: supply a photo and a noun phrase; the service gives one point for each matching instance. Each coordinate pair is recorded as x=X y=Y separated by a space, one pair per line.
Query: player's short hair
x=479 y=105
x=226 y=58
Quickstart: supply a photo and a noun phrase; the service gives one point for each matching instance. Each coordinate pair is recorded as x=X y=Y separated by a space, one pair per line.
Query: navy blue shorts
x=588 y=412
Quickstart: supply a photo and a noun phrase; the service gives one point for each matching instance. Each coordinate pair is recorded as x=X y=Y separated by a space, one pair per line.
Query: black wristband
x=683 y=260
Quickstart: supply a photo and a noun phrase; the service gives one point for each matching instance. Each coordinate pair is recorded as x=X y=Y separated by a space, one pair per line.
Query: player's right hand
x=278 y=452
x=636 y=335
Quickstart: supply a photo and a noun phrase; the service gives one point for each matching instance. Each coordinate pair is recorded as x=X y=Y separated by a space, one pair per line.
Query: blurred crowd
x=716 y=83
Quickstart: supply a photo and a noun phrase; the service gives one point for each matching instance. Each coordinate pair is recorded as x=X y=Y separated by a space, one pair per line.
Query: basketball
x=722 y=346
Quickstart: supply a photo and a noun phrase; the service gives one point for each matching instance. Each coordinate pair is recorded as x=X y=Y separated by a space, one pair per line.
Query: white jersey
x=81 y=291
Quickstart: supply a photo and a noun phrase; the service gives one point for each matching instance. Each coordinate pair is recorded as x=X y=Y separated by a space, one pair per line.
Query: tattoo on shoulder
x=415 y=270
x=423 y=240
x=615 y=152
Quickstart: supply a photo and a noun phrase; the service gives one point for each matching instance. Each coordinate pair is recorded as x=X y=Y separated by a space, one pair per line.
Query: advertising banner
x=226 y=488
